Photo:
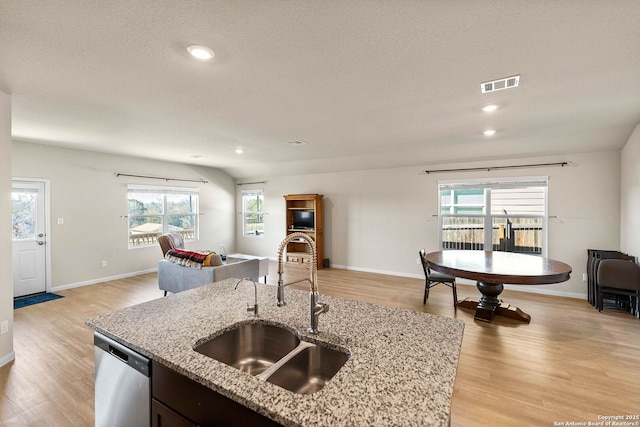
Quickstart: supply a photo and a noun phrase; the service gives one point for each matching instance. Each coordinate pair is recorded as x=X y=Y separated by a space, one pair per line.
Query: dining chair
x=593 y=258
x=597 y=256
x=619 y=277
x=433 y=278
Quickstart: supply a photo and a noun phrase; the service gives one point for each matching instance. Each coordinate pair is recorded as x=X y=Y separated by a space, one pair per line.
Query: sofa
x=176 y=278
x=177 y=275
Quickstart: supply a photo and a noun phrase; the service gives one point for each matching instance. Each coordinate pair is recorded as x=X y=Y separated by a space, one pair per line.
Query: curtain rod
x=562 y=164
x=249 y=183
x=164 y=179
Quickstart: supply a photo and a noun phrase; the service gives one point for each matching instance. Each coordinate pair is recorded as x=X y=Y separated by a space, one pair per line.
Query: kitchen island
x=401 y=367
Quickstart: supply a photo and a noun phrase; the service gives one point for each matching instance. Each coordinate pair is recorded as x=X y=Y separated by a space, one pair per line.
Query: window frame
x=259 y=212
x=487 y=216
x=150 y=238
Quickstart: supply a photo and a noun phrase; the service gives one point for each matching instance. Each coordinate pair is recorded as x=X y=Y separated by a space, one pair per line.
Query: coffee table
x=491 y=270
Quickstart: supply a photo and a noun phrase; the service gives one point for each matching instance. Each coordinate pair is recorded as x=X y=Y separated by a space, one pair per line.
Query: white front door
x=29 y=237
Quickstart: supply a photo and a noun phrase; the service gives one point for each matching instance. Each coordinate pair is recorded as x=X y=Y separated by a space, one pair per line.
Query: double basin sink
x=275 y=354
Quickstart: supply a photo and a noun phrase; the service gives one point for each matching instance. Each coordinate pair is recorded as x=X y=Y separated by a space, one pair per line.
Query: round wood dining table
x=491 y=270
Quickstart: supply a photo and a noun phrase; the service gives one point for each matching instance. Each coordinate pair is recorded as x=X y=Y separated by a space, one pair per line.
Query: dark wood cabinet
x=162 y=416
x=181 y=402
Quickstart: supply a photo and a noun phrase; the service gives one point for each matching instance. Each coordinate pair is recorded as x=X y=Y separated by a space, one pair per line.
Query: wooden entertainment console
x=300 y=208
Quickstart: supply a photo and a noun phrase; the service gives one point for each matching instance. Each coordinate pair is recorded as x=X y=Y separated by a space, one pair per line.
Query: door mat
x=34 y=299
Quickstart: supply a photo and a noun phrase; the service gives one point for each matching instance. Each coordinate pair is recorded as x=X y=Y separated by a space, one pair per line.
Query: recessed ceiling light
x=489 y=132
x=196 y=156
x=490 y=108
x=239 y=150
x=203 y=53
x=296 y=143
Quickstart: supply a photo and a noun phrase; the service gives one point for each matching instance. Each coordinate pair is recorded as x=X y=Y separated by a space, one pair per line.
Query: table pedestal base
x=490 y=305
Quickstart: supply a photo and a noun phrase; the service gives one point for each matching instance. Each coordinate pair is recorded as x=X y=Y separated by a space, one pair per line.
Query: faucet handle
x=320 y=307
x=324 y=307
x=316 y=308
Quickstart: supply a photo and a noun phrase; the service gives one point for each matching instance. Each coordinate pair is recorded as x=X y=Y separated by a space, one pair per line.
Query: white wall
x=630 y=195
x=6 y=277
x=377 y=220
x=92 y=201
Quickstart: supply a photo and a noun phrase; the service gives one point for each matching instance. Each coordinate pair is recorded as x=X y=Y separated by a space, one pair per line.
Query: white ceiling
x=366 y=84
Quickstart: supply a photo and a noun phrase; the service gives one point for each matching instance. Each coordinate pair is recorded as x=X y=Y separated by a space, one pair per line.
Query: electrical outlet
x=4 y=327
x=584 y=277
x=103 y=263
x=418 y=260
x=60 y=221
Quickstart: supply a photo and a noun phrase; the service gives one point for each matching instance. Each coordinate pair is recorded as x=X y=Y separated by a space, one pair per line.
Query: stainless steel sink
x=309 y=370
x=250 y=347
x=275 y=354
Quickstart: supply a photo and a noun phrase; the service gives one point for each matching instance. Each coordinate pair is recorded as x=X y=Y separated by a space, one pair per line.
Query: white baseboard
x=376 y=271
x=7 y=358
x=518 y=288
x=541 y=290
x=101 y=280
x=530 y=289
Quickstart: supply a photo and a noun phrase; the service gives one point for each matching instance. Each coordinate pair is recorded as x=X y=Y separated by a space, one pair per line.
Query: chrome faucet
x=316 y=308
x=251 y=308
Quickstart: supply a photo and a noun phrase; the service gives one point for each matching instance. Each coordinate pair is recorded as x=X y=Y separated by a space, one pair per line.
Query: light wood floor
x=570 y=364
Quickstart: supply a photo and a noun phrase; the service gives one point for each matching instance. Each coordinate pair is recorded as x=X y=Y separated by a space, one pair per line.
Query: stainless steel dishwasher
x=122 y=384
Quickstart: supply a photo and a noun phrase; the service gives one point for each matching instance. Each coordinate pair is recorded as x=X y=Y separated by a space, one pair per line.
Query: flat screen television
x=303 y=220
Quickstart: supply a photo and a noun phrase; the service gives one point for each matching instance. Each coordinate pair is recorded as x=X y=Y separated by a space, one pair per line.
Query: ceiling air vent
x=506 y=83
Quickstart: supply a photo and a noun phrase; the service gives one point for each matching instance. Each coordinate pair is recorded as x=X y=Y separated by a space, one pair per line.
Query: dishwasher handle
x=137 y=361
x=119 y=354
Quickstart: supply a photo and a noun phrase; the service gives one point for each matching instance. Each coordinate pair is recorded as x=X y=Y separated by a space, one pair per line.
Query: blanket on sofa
x=194 y=259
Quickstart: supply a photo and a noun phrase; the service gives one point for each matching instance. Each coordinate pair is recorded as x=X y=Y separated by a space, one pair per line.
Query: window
x=157 y=210
x=500 y=215
x=24 y=203
x=253 y=213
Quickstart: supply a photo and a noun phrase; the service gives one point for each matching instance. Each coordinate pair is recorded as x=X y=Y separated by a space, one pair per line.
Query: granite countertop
x=401 y=368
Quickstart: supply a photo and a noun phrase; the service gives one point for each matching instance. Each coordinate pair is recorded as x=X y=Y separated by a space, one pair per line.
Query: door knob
x=40 y=242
